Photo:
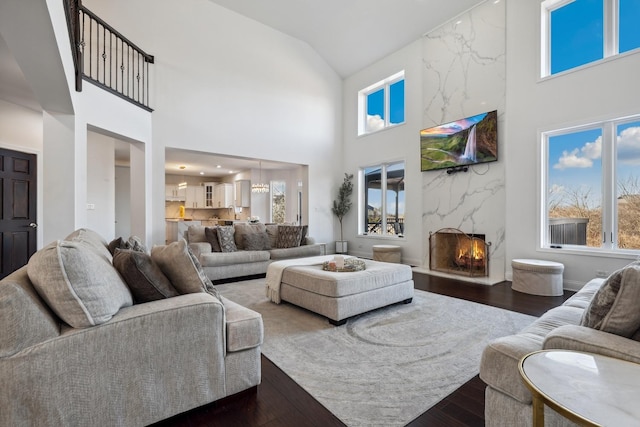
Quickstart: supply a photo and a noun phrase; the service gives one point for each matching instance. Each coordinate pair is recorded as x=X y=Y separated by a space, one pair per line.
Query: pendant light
x=260 y=187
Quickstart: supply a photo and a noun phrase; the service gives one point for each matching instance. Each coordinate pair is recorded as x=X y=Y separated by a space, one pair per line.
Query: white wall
x=398 y=143
x=227 y=84
x=604 y=90
x=101 y=185
x=454 y=71
x=123 y=201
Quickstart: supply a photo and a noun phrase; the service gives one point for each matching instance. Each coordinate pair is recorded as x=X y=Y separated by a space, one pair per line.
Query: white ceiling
x=352 y=34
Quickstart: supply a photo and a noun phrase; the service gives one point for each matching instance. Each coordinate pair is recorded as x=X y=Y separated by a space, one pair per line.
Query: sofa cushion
x=244 y=326
x=80 y=285
x=25 y=318
x=182 y=268
x=289 y=236
x=614 y=308
x=241 y=230
x=256 y=241
x=143 y=276
x=226 y=239
x=211 y=233
x=196 y=233
x=91 y=238
x=298 y=252
x=220 y=259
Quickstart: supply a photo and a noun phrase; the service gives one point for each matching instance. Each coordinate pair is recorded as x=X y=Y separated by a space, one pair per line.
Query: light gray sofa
x=224 y=265
x=507 y=400
x=136 y=365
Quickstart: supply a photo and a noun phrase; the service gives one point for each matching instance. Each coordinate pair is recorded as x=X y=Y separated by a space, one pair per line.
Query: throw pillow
x=116 y=244
x=614 y=308
x=305 y=231
x=143 y=276
x=226 y=239
x=256 y=242
x=212 y=237
x=289 y=236
x=135 y=243
x=93 y=240
x=182 y=268
x=79 y=285
x=272 y=231
x=242 y=229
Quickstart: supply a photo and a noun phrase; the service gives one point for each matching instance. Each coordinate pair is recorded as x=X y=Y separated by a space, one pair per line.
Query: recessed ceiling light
x=201 y=173
x=218 y=166
x=230 y=171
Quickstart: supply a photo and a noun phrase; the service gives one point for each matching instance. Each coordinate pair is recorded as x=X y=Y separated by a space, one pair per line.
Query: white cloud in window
x=629 y=146
x=374 y=123
x=556 y=189
x=580 y=157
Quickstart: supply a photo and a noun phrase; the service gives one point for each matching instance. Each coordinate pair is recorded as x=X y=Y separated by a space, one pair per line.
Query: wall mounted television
x=460 y=143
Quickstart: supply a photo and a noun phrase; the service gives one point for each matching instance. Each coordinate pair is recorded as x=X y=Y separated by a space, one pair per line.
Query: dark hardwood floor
x=280 y=402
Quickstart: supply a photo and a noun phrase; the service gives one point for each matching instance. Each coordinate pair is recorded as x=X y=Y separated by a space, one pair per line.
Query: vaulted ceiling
x=352 y=34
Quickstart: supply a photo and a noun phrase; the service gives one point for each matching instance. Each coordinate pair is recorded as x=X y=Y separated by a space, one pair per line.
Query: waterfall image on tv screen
x=466 y=141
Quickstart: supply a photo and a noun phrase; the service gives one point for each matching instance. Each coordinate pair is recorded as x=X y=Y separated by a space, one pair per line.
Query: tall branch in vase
x=342 y=205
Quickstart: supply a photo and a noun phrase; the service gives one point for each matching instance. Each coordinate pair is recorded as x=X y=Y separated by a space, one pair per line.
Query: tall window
x=278 y=202
x=578 y=32
x=382 y=206
x=381 y=105
x=592 y=186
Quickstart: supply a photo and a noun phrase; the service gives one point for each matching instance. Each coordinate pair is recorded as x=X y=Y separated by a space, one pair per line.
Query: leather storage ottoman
x=340 y=295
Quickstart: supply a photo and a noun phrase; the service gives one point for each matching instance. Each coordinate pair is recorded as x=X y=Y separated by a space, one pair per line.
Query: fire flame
x=471 y=249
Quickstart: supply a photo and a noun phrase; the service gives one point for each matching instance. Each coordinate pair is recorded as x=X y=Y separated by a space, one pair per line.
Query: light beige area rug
x=382 y=368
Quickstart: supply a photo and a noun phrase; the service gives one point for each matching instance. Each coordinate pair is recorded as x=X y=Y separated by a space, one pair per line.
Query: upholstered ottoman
x=340 y=295
x=537 y=277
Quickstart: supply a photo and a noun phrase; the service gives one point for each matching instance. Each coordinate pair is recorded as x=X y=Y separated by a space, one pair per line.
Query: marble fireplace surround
x=464 y=73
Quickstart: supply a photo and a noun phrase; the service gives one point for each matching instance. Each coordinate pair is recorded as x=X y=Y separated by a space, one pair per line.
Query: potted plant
x=341 y=207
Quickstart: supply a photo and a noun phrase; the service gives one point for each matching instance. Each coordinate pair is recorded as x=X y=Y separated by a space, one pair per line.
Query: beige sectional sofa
x=602 y=318
x=76 y=350
x=244 y=261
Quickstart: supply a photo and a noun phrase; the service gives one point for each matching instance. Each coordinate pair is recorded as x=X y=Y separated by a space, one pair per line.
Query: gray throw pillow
x=80 y=285
x=242 y=229
x=182 y=268
x=212 y=237
x=256 y=242
x=614 y=308
x=289 y=236
x=143 y=276
x=226 y=239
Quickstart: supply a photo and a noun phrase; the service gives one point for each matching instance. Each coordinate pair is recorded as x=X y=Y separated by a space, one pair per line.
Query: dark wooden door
x=18 y=210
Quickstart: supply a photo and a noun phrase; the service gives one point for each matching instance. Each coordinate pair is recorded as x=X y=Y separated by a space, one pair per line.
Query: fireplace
x=452 y=251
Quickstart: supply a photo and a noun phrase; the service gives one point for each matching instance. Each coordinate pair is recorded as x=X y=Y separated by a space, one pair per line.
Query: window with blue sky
x=580 y=32
x=593 y=181
x=381 y=104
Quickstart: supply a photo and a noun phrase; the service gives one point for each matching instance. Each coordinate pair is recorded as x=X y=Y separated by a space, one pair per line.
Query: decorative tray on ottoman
x=350 y=265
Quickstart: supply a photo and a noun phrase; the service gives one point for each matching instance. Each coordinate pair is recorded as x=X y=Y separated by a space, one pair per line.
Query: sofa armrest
x=588 y=340
x=200 y=248
x=135 y=365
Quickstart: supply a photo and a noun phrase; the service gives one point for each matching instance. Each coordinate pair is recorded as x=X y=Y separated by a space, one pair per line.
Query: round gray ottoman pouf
x=537 y=277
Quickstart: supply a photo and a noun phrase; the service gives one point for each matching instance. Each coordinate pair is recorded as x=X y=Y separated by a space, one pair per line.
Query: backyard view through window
x=579 y=32
x=593 y=186
x=384 y=200
x=278 y=202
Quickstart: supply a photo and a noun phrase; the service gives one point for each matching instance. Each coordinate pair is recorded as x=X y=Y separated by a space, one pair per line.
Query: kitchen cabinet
x=209 y=194
x=223 y=195
x=174 y=194
x=243 y=193
x=195 y=197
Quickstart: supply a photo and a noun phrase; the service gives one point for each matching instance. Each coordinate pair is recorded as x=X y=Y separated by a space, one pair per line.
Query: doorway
x=18 y=199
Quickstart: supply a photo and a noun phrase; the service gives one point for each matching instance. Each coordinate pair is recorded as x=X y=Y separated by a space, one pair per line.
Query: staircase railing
x=106 y=58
